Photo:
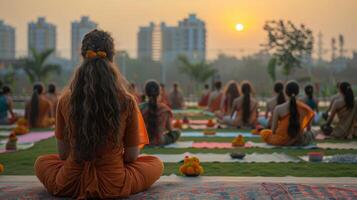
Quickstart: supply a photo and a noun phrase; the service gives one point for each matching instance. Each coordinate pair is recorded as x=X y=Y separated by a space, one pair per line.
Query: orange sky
x=123 y=17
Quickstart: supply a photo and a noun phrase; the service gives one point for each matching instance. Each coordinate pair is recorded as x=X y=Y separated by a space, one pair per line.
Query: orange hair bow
x=92 y=54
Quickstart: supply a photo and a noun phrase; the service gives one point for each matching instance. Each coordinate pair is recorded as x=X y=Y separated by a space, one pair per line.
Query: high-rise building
x=7 y=41
x=172 y=42
x=41 y=36
x=79 y=29
x=145 y=42
x=188 y=39
x=194 y=38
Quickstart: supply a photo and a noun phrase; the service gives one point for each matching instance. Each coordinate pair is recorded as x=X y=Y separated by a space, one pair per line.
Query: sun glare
x=239 y=27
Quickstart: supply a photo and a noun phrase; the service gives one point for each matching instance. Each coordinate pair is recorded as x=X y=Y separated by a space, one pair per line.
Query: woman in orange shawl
x=158 y=117
x=52 y=96
x=99 y=130
x=38 y=111
x=290 y=121
x=204 y=97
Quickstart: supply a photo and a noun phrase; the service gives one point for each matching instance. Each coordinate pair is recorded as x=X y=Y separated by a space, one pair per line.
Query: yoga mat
x=20 y=146
x=212 y=145
x=28 y=140
x=204 y=187
x=5 y=133
x=8 y=126
x=251 y=144
x=179 y=145
x=349 y=145
x=219 y=134
x=226 y=158
x=338 y=158
x=20 y=112
x=32 y=137
x=185 y=111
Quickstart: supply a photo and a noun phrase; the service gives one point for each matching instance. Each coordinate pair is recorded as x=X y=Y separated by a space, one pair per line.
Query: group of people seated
x=174 y=100
x=288 y=117
x=39 y=109
x=101 y=125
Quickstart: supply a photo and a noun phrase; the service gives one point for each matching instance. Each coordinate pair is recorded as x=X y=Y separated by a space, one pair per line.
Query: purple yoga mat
x=33 y=137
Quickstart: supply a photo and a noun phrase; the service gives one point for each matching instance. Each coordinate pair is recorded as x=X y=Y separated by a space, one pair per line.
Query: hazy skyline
x=123 y=17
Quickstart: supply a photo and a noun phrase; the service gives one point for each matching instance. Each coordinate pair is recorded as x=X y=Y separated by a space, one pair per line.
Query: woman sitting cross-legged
x=290 y=121
x=279 y=98
x=99 y=131
x=38 y=110
x=158 y=117
x=245 y=109
x=346 y=110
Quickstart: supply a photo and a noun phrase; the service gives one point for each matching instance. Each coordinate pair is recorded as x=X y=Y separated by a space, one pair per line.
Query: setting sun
x=239 y=27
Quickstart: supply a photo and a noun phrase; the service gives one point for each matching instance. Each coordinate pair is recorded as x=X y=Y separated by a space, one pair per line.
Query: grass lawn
x=21 y=162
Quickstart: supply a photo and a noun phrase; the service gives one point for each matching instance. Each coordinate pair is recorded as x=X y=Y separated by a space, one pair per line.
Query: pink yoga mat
x=35 y=136
x=212 y=145
x=195 y=121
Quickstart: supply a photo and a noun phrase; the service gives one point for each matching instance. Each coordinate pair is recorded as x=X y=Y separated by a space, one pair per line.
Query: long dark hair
x=98 y=96
x=347 y=92
x=246 y=90
x=279 y=89
x=152 y=90
x=309 y=91
x=35 y=98
x=232 y=92
x=292 y=90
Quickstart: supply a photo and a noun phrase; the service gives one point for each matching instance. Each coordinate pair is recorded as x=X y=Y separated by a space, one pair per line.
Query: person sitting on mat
x=204 y=96
x=245 y=109
x=52 y=96
x=279 y=98
x=231 y=92
x=158 y=117
x=332 y=100
x=290 y=121
x=176 y=98
x=6 y=106
x=215 y=98
x=163 y=98
x=346 y=110
x=38 y=111
x=99 y=131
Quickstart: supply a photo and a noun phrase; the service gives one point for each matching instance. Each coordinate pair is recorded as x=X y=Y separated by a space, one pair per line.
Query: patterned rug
x=205 y=190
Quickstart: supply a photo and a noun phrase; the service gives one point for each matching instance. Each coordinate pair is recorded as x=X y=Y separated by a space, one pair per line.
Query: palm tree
x=36 y=67
x=198 y=72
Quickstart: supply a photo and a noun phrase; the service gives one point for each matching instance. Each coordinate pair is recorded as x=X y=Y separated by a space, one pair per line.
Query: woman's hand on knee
x=131 y=154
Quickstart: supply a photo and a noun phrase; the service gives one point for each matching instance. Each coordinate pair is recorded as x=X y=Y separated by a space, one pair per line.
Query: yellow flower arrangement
x=210 y=123
x=177 y=124
x=238 y=141
x=20 y=130
x=191 y=166
x=21 y=122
